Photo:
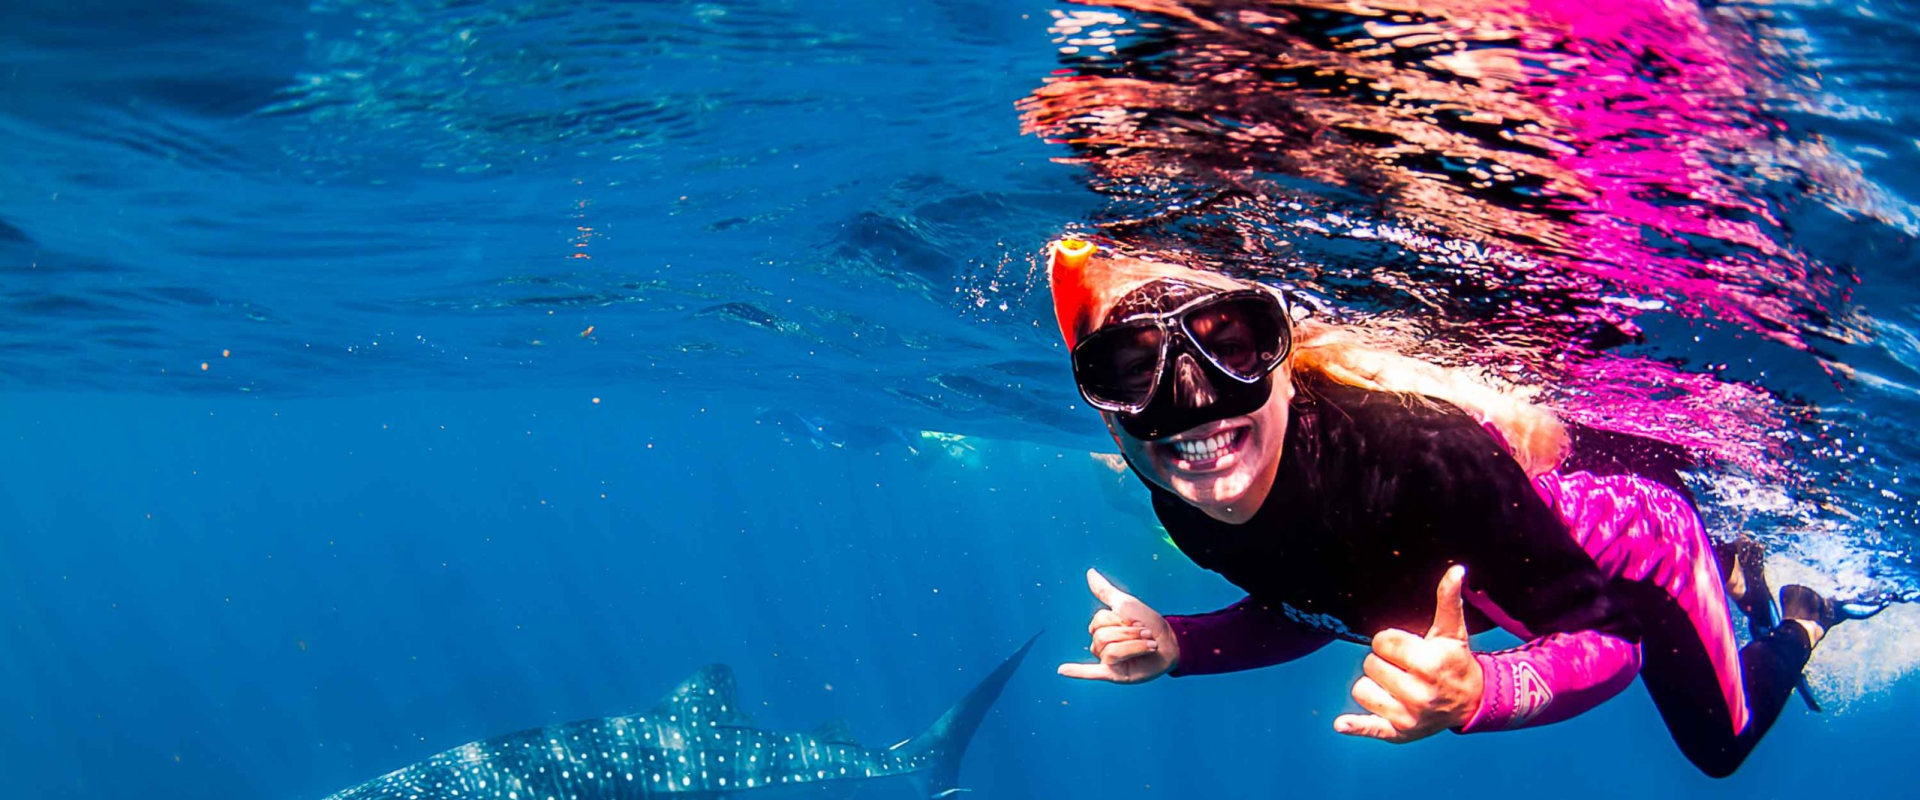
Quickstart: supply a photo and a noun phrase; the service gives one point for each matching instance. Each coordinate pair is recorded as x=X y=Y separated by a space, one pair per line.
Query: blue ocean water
x=382 y=376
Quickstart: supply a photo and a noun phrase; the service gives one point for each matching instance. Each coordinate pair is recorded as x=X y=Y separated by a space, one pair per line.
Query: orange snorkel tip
x=1072 y=252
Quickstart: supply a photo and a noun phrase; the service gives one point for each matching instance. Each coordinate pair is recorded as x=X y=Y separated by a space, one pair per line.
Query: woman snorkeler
x=1338 y=483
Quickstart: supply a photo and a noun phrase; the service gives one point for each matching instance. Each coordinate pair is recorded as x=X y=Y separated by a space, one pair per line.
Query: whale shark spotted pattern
x=695 y=743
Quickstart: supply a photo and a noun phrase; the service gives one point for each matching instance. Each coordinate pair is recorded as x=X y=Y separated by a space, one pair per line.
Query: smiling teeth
x=1206 y=449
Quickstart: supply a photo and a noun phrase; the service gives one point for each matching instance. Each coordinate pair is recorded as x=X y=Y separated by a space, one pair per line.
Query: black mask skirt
x=1192 y=390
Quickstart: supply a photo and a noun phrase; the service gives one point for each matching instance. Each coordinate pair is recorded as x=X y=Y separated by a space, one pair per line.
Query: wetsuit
x=1603 y=575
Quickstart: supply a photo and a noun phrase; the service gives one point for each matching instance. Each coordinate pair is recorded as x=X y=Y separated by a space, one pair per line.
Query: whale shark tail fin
x=943 y=742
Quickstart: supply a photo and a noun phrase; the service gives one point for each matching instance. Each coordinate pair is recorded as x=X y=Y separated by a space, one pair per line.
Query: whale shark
x=696 y=743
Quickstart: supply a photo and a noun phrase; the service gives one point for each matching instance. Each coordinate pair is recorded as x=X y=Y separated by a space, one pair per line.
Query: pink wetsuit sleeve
x=1242 y=636
x=1582 y=643
x=1552 y=678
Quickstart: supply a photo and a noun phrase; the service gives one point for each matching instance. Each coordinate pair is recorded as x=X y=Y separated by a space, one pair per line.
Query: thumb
x=1104 y=590
x=1367 y=726
x=1449 y=610
x=1089 y=672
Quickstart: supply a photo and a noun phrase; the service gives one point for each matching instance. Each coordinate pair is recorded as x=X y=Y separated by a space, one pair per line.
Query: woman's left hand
x=1418 y=686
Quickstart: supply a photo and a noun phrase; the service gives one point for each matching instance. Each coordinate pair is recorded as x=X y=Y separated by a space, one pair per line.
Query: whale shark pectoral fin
x=708 y=696
x=926 y=788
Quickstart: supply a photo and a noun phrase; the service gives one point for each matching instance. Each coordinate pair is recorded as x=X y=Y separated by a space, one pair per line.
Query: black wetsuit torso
x=1376 y=496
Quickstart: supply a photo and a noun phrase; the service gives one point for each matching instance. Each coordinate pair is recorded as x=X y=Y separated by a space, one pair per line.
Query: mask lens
x=1118 y=365
x=1244 y=336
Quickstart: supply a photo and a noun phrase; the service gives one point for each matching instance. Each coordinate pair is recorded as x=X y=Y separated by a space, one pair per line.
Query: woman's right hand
x=1133 y=643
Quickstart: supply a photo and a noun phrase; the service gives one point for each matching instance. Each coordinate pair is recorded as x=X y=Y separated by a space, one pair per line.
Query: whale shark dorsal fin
x=707 y=698
x=835 y=732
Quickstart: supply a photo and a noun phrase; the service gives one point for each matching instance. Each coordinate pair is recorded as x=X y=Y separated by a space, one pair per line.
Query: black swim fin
x=1862 y=608
x=1800 y=602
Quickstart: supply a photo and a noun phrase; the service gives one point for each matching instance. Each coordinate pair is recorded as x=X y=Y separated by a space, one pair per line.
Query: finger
x=1383 y=705
x=1367 y=725
x=1104 y=589
x=1398 y=647
x=1449 y=609
x=1412 y=692
x=1107 y=636
x=1089 y=672
x=1105 y=618
x=1126 y=651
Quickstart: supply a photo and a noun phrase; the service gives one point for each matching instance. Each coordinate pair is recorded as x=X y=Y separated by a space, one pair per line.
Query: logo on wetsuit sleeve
x=1531 y=694
x=1324 y=623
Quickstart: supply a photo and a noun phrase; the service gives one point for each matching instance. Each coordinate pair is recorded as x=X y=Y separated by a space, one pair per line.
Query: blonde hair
x=1369 y=360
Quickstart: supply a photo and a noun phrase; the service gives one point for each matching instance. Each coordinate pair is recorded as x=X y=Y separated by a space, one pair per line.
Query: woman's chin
x=1223 y=469
x=1210 y=465
x=1212 y=492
